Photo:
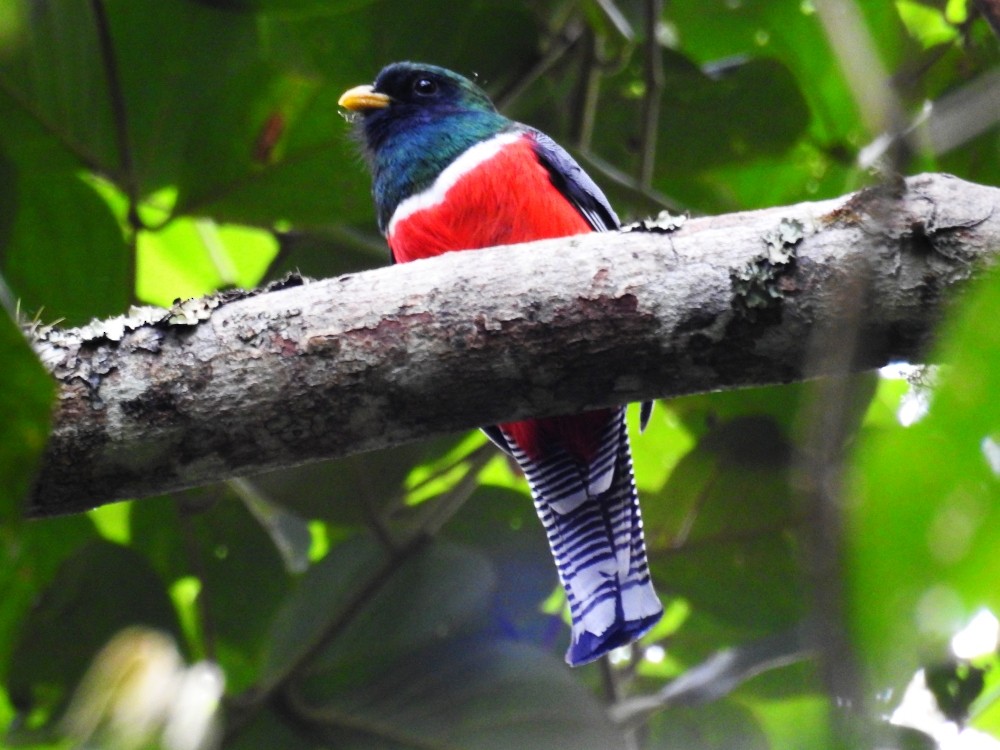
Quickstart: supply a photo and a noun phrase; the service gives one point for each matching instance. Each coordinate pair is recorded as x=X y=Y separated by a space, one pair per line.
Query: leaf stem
x=126 y=162
x=117 y=102
x=653 y=72
x=564 y=41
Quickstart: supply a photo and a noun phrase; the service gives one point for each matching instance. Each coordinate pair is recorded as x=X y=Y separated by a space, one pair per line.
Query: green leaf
x=66 y=257
x=468 y=694
x=301 y=623
x=351 y=490
x=437 y=591
x=798 y=721
x=268 y=729
x=972 y=160
x=927 y=25
x=26 y=394
x=314 y=176
x=307 y=8
x=99 y=590
x=419 y=661
x=330 y=251
x=751 y=118
x=746 y=116
x=657 y=449
x=808 y=105
x=178 y=65
x=502 y=525
x=924 y=519
x=779 y=404
x=986 y=711
x=51 y=72
x=724 y=724
x=30 y=555
x=209 y=534
x=194 y=257
x=719 y=531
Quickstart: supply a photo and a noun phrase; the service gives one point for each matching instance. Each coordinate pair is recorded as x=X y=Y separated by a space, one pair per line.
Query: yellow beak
x=363 y=98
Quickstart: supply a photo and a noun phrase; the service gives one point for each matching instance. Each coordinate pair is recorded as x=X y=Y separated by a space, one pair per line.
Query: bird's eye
x=425 y=87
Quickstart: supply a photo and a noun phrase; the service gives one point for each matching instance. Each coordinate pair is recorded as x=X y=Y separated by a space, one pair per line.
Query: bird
x=451 y=173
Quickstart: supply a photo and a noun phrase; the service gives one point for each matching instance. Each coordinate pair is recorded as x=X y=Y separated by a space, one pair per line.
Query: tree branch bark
x=246 y=382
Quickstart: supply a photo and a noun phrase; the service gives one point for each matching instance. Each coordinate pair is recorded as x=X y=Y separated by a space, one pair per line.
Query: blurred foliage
x=152 y=150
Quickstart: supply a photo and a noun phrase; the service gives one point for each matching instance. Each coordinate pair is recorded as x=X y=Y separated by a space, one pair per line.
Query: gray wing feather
x=570 y=179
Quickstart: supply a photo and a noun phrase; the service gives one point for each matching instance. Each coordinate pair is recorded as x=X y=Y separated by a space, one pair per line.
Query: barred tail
x=592 y=520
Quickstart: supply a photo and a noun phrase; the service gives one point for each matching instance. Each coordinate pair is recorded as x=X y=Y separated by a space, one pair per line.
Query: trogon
x=451 y=173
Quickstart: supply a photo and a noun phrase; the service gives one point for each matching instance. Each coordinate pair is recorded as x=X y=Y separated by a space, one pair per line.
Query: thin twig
x=196 y=561
x=791 y=523
x=653 y=74
x=374 y=518
x=247 y=705
x=613 y=696
x=647 y=195
x=618 y=20
x=565 y=40
x=590 y=89
x=117 y=102
x=447 y=506
x=397 y=555
x=126 y=164
x=88 y=161
x=715 y=677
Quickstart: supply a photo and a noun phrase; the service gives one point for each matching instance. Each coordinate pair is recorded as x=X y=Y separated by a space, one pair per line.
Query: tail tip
x=587 y=647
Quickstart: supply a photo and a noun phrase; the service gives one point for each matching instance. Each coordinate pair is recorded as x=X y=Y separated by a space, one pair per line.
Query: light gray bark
x=242 y=383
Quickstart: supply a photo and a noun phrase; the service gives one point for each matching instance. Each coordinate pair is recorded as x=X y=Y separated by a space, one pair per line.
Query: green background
x=160 y=149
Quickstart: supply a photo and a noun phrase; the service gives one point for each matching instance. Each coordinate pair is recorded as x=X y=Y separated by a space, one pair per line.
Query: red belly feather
x=504 y=200
x=507 y=199
x=580 y=434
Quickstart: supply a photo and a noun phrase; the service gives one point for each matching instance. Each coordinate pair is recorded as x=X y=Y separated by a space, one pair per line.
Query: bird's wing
x=580 y=190
x=495 y=434
x=570 y=179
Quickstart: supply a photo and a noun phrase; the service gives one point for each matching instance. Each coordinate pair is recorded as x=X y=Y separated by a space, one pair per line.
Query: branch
x=251 y=381
x=716 y=676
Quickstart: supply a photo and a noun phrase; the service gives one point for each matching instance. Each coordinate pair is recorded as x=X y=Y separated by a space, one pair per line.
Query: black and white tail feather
x=594 y=527
x=591 y=513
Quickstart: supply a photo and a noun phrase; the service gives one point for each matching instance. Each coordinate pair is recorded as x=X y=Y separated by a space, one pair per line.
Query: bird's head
x=414 y=120
x=422 y=92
